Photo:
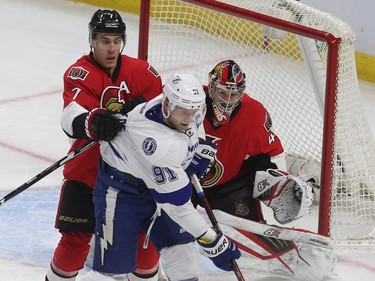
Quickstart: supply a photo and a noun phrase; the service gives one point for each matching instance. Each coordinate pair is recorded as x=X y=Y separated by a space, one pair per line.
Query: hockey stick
x=273 y=231
x=213 y=220
x=47 y=171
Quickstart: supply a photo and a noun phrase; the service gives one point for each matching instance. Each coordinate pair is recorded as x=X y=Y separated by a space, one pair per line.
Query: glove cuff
x=88 y=122
x=208 y=237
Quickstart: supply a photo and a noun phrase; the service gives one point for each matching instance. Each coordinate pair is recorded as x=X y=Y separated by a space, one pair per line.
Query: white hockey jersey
x=151 y=150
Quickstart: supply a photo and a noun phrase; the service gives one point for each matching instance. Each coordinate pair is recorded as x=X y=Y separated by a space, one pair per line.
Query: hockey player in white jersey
x=143 y=185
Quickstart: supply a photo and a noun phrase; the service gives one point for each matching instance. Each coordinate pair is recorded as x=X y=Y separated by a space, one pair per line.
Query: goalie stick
x=273 y=231
x=213 y=220
x=47 y=171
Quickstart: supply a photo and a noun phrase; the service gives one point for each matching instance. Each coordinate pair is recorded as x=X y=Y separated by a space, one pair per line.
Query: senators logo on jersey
x=114 y=97
x=214 y=175
x=241 y=208
x=78 y=73
x=217 y=168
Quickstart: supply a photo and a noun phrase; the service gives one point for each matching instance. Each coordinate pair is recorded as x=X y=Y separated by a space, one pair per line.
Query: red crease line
x=23 y=151
x=29 y=97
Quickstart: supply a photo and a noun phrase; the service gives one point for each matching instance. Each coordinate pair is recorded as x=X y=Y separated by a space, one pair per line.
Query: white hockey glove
x=289 y=197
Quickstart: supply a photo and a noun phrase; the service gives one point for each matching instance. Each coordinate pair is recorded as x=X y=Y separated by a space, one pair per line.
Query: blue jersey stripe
x=178 y=197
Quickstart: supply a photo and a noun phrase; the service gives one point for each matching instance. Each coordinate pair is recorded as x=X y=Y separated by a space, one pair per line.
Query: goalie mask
x=226 y=85
x=107 y=21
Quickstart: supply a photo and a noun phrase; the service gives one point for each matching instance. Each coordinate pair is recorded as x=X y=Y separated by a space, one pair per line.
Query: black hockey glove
x=130 y=104
x=101 y=124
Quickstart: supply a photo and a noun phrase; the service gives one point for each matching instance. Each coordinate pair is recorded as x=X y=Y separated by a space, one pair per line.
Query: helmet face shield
x=226 y=86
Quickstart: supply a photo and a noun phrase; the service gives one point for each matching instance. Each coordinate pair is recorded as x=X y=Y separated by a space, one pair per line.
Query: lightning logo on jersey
x=107 y=237
x=149 y=146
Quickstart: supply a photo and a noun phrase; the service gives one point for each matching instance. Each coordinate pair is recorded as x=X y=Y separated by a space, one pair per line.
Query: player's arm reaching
x=83 y=115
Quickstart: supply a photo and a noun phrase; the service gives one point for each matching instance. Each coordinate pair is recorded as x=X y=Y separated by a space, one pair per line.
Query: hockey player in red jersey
x=241 y=127
x=96 y=86
x=249 y=169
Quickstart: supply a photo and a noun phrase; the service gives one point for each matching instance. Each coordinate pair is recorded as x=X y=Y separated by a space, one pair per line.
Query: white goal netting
x=287 y=71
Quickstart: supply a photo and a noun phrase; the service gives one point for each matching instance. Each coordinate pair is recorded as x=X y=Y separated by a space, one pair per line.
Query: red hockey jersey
x=87 y=85
x=249 y=132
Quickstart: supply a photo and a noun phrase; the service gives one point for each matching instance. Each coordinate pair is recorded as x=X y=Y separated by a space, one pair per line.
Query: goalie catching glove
x=289 y=197
x=221 y=250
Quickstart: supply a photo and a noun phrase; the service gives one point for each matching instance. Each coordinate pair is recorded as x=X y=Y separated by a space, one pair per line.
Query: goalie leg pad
x=289 y=197
x=279 y=257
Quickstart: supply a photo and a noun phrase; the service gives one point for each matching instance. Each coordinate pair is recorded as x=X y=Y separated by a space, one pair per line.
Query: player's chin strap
x=289 y=197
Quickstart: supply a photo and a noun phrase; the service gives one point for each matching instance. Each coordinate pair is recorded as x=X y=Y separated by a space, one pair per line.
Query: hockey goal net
x=300 y=64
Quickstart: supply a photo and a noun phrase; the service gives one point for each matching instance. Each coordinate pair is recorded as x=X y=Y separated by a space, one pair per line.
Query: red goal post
x=300 y=64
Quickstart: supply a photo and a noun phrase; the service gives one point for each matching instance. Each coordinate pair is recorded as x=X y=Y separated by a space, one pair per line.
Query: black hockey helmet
x=107 y=21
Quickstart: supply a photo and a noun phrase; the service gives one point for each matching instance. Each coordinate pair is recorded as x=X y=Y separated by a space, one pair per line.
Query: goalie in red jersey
x=250 y=169
x=241 y=127
x=96 y=87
